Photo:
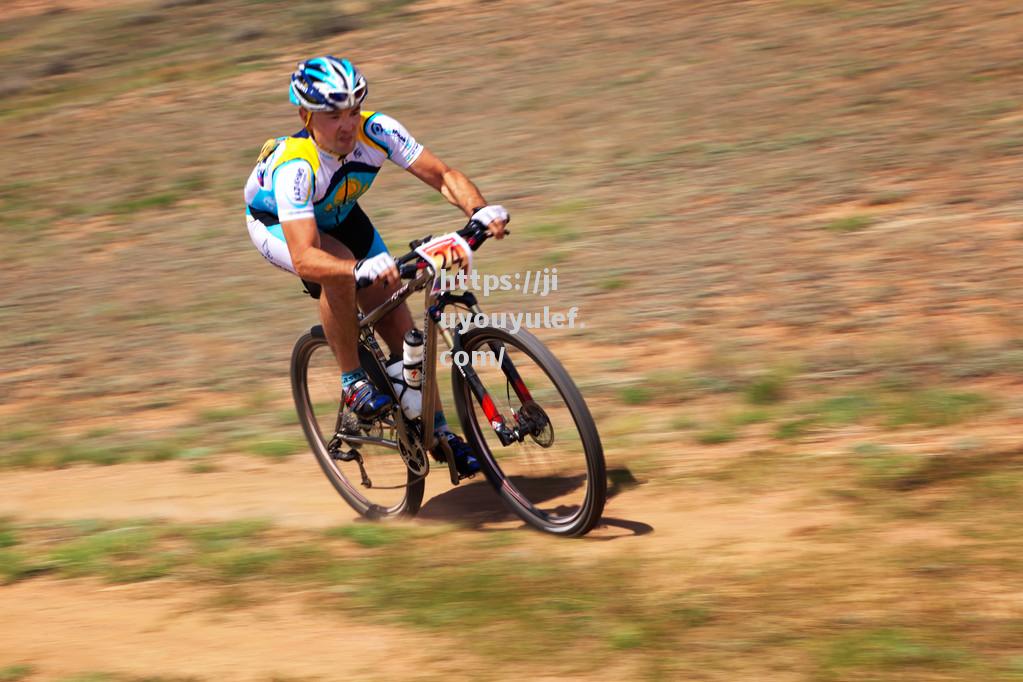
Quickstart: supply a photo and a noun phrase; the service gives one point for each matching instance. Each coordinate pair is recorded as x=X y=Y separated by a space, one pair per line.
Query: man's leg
x=393 y=328
x=341 y=327
x=337 y=312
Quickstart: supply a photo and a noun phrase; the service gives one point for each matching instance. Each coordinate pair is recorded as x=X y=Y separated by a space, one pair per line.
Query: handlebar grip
x=405 y=271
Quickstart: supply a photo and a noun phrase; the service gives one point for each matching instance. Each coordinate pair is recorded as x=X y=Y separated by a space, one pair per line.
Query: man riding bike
x=303 y=216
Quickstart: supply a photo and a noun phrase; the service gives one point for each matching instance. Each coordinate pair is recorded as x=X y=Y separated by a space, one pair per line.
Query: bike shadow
x=476 y=505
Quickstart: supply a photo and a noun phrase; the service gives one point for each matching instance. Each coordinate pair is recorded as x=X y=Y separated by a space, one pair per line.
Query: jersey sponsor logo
x=300 y=187
x=378 y=129
x=347 y=192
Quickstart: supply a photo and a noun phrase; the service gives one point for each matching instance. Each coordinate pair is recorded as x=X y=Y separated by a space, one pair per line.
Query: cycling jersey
x=294 y=178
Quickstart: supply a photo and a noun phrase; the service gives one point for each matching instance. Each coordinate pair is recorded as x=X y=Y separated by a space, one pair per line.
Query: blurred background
x=792 y=229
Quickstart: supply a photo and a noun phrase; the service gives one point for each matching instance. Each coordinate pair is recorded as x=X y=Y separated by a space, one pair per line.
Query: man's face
x=335 y=131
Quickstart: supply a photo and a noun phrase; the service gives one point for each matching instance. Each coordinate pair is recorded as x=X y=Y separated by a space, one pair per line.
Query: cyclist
x=303 y=216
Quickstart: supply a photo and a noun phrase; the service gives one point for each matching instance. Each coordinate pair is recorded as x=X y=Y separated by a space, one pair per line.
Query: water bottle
x=413 y=358
x=411 y=398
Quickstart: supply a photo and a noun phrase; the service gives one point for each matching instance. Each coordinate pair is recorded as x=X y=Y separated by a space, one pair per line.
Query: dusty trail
x=295 y=494
x=64 y=628
x=166 y=627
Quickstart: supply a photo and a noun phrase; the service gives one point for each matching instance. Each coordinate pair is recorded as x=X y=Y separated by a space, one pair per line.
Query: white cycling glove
x=372 y=268
x=489 y=214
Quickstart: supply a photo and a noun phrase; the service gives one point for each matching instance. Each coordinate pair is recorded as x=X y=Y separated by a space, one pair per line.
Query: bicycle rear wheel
x=555 y=479
x=393 y=490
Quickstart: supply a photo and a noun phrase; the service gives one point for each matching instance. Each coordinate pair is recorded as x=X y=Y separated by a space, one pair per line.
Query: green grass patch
x=747 y=417
x=76 y=453
x=212 y=537
x=408 y=577
x=766 y=390
x=683 y=423
x=757 y=470
x=14 y=673
x=886 y=198
x=541 y=602
x=14 y=565
x=105 y=449
x=203 y=467
x=8 y=536
x=145 y=203
x=991 y=477
x=276 y=448
x=664 y=387
x=552 y=230
x=884 y=467
x=849 y=224
x=116 y=677
x=627 y=637
x=845 y=409
x=239 y=562
x=636 y=395
x=886 y=407
x=885 y=651
x=124 y=554
x=20 y=434
x=612 y=283
x=793 y=429
x=717 y=435
x=371 y=535
x=936 y=408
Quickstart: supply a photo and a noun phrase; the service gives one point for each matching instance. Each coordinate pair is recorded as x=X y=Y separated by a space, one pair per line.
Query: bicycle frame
x=434 y=306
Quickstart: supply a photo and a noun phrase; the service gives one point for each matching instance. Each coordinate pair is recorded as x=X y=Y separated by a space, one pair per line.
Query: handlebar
x=409 y=265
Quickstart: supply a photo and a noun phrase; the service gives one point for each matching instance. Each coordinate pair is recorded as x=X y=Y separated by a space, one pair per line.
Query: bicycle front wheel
x=555 y=479
x=375 y=480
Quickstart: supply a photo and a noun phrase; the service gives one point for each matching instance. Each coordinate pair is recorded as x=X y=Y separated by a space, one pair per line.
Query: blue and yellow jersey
x=294 y=178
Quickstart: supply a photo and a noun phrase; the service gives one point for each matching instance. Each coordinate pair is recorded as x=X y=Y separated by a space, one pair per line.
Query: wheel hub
x=534 y=421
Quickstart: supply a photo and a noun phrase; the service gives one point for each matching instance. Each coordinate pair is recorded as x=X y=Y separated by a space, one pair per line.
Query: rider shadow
x=475 y=505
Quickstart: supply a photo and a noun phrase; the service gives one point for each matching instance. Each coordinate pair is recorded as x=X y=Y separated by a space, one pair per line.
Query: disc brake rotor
x=538 y=423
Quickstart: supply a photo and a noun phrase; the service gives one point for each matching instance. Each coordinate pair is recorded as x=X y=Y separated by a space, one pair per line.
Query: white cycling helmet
x=327 y=83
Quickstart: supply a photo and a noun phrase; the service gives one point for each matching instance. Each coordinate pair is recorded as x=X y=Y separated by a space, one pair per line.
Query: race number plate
x=449 y=254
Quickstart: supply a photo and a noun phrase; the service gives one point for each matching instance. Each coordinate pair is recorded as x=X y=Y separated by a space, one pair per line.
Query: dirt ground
x=140 y=629
x=816 y=192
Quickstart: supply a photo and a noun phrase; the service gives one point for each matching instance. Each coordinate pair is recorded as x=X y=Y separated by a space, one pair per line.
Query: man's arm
x=314 y=264
x=454 y=185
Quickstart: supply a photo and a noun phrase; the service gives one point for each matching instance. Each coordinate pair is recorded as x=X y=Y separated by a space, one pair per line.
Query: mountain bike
x=518 y=408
